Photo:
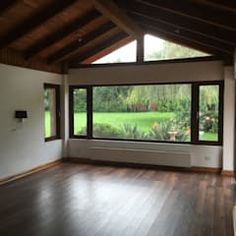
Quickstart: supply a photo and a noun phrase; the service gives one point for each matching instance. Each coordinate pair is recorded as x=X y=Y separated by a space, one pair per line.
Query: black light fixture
x=21 y=115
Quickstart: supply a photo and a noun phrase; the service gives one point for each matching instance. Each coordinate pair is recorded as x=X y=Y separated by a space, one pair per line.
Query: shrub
x=130 y=131
x=162 y=130
x=105 y=131
x=209 y=122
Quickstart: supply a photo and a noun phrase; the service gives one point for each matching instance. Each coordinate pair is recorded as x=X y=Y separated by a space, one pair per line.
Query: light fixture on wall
x=21 y=115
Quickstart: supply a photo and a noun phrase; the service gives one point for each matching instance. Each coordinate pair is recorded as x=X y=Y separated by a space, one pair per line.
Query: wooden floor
x=73 y=199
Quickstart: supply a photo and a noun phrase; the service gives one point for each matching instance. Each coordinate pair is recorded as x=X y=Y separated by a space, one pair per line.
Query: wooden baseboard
x=229 y=173
x=206 y=170
x=138 y=165
x=29 y=172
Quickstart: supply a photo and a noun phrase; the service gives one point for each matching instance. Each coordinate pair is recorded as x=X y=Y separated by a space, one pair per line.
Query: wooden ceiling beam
x=210 y=31
x=194 y=10
x=73 y=48
x=76 y=60
x=35 y=21
x=109 y=9
x=187 y=43
x=53 y=38
x=200 y=39
x=229 y=5
x=6 y=4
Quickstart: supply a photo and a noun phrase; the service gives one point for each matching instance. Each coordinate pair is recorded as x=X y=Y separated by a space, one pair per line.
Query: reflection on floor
x=74 y=199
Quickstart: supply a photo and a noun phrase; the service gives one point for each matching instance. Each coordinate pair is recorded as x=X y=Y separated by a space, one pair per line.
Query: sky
x=127 y=53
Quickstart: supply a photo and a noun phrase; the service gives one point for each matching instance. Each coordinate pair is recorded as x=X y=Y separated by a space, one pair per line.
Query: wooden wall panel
x=11 y=57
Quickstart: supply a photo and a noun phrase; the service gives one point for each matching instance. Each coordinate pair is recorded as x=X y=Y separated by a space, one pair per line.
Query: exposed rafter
x=193 y=25
x=229 y=5
x=193 y=10
x=109 y=9
x=200 y=39
x=96 y=49
x=61 y=33
x=30 y=24
x=6 y=4
x=73 y=48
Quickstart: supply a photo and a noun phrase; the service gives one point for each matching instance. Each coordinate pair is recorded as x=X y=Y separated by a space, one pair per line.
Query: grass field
x=144 y=121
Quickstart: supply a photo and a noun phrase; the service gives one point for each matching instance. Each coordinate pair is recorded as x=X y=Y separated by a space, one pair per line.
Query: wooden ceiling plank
x=210 y=31
x=193 y=10
x=6 y=4
x=96 y=49
x=73 y=48
x=61 y=33
x=187 y=34
x=109 y=9
x=35 y=21
x=229 y=5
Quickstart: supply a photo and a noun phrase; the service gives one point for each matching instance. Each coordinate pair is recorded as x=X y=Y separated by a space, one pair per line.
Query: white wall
x=192 y=71
x=22 y=145
x=200 y=155
x=229 y=119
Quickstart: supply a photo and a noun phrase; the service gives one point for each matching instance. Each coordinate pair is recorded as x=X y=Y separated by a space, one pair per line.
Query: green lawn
x=47 y=125
x=144 y=121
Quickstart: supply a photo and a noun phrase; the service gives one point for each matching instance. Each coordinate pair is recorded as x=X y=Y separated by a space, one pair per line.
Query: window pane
x=50 y=129
x=80 y=111
x=126 y=53
x=156 y=49
x=150 y=112
x=208 y=112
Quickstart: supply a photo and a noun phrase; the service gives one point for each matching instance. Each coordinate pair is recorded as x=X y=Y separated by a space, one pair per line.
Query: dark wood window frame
x=58 y=112
x=195 y=86
x=89 y=111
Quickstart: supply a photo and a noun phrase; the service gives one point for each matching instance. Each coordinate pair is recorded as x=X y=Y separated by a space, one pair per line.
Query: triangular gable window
x=124 y=54
x=156 y=49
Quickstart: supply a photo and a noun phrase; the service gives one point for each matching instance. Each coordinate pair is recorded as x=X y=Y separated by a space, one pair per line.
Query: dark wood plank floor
x=73 y=199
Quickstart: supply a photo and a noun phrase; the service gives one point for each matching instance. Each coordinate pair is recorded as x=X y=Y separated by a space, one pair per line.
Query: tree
x=172 y=51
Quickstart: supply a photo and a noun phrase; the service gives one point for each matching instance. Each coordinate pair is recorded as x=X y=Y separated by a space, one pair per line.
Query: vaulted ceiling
x=59 y=31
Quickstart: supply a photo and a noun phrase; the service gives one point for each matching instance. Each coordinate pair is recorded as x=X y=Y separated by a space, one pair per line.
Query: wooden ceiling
x=59 y=31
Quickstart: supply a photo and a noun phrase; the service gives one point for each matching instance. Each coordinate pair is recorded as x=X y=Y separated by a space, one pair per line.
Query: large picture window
x=176 y=112
x=147 y=112
x=51 y=112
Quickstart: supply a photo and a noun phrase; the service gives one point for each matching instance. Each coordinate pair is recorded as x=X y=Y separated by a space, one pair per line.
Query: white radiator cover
x=181 y=155
x=154 y=157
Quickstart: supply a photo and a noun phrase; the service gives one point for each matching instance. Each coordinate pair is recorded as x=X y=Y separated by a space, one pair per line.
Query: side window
x=51 y=112
x=78 y=111
x=209 y=119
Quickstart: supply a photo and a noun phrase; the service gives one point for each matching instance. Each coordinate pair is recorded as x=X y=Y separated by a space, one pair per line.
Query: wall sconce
x=21 y=115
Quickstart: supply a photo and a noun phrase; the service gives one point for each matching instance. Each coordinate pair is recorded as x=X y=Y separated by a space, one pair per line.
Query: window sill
x=52 y=139
x=145 y=141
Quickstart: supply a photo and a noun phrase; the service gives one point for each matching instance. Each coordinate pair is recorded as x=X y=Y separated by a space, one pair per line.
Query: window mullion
x=195 y=113
x=90 y=112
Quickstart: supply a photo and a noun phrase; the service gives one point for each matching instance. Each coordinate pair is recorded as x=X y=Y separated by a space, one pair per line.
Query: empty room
x=117 y=117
